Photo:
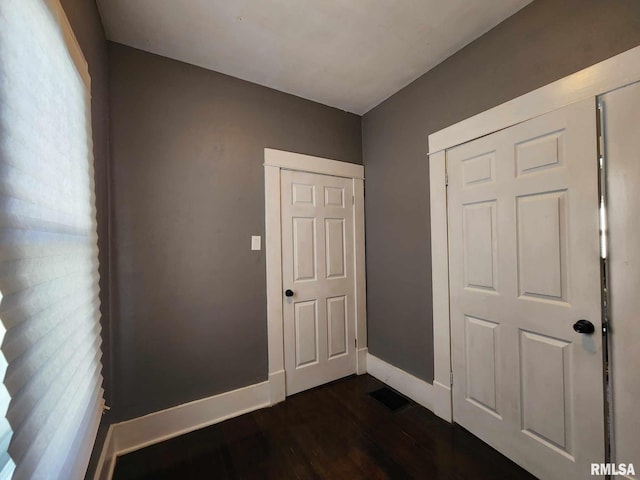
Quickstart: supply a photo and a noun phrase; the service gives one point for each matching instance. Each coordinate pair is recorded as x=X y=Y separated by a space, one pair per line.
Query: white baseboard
x=416 y=389
x=442 y=401
x=361 y=360
x=156 y=427
x=277 y=382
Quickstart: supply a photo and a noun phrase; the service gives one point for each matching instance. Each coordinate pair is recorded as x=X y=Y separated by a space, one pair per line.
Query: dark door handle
x=584 y=326
x=289 y=293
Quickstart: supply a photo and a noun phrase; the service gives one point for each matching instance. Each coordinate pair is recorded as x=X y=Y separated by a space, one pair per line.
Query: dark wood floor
x=336 y=431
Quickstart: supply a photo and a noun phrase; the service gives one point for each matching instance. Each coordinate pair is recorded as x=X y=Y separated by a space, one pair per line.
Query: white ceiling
x=349 y=54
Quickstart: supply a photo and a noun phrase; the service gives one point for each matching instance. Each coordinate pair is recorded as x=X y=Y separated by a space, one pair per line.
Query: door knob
x=584 y=326
x=289 y=293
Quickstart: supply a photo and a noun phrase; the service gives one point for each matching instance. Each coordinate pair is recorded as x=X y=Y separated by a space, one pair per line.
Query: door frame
x=274 y=162
x=615 y=72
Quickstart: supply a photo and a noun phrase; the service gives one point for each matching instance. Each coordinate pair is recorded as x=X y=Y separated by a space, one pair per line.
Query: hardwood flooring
x=336 y=431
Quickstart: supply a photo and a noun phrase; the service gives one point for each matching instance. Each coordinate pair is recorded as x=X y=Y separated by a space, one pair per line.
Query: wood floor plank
x=337 y=431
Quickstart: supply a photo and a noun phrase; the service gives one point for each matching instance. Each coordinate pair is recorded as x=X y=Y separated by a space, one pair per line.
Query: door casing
x=274 y=162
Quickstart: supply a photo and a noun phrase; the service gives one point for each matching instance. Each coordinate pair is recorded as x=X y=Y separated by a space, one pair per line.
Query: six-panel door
x=525 y=266
x=318 y=267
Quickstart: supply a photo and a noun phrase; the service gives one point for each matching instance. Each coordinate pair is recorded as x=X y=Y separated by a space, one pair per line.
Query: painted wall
x=189 y=297
x=544 y=42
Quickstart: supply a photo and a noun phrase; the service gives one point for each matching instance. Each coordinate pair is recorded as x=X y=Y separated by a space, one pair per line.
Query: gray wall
x=189 y=301
x=545 y=41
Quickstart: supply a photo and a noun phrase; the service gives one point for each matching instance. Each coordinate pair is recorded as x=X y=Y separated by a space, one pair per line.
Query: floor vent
x=390 y=398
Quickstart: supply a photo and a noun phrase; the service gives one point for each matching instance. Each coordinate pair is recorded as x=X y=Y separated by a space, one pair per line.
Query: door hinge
x=353 y=199
x=446 y=179
x=451 y=379
x=355 y=342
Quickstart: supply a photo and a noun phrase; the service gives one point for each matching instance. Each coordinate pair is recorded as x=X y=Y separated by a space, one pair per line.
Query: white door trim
x=307 y=163
x=274 y=161
x=442 y=398
x=610 y=74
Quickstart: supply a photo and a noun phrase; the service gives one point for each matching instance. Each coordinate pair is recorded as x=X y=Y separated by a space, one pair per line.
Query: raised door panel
x=306 y=331
x=304 y=249
x=540 y=153
x=334 y=197
x=303 y=195
x=542 y=252
x=481 y=339
x=546 y=396
x=335 y=247
x=480 y=245
x=337 y=321
x=479 y=169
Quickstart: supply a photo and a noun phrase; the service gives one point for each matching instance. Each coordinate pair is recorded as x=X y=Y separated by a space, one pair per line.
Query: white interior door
x=524 y=268
x=622 y=160
x=318 y=274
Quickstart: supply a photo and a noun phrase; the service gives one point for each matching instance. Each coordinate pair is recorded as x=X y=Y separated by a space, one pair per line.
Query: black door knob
x=584 y=326
x=289 y=293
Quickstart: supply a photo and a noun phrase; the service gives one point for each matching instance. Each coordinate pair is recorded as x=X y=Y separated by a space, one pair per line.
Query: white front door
x=318 y=279
x=525 y=268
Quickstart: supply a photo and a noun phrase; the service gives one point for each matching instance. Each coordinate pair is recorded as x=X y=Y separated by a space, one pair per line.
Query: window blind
x=52 y=398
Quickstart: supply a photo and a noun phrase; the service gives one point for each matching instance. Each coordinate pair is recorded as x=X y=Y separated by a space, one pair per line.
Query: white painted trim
x=73 y=47
x=361 y=360
x=616 y=72
x=274 y=162
x=126 y=437
x=442 y=406
x=159 y=426
x=597 y=79
x=416 y=389
x=277 y=387
x=273 y=252
x=307 y=163
x=361 y=288
x=440 y=284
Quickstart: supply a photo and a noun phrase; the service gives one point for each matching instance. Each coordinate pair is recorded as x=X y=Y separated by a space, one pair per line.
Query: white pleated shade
x=51 y=398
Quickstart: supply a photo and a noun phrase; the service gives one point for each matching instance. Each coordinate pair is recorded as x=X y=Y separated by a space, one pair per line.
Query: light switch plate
x=255 y=242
